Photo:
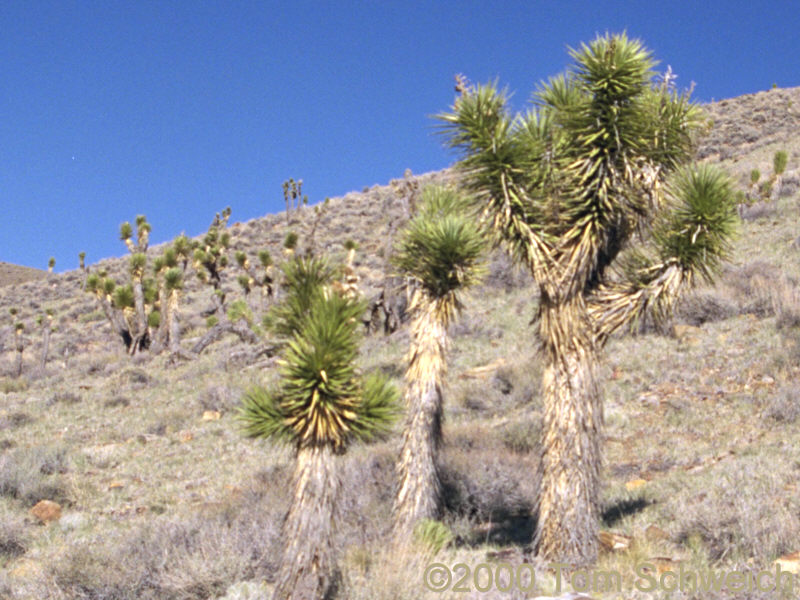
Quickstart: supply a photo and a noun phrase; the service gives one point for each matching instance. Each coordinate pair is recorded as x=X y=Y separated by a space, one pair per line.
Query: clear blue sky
x=178 y=109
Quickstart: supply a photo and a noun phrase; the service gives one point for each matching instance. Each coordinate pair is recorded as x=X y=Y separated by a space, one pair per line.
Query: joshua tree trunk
x=20 y=346
x=568 y=499
x=419 y=491
x=140 y=340
x=45 y=341
x=308 y=569
x=173 y=327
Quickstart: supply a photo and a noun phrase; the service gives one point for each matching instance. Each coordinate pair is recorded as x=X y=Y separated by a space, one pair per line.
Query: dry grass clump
x=13 y=537
x=33 y=474
x=784 y=405
x=745 y=513
x=786 y=304
x=176 y=557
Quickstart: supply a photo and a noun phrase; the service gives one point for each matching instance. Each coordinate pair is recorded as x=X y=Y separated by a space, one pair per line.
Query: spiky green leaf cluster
x=239 y=310
x=322 y=399
x=441 y=246
x=122 y=296
x=567 y=184
x=173 y=279
x=125 y=231
x=265 y=258
x=779 y=162
x=696 y=232
x=304 y=279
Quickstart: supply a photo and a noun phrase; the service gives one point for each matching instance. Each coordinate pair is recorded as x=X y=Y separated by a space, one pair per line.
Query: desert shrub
x=176 y=557
x=218 y=397
x=751 y=286
x=433 y=535
x=487 y=485
x=784 y=405
x=789 y=186
x=705 y=307
x=65 y=398
x=13 y=538
x=12 y=385
x=759 y=521
x=522 y=435
x=117 y=401
x=15 y=420
x=786 y=304
x=32 y=474
x=759 y=210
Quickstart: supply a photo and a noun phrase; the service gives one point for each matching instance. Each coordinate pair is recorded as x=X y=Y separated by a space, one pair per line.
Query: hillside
x=163 y=498
x=15 y=274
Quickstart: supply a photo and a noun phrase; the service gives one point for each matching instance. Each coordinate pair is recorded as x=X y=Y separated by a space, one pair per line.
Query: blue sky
x=178 y=109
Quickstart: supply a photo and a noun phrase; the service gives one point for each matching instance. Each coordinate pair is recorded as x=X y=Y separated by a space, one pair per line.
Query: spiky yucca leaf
x=154 y=319
x=441 y=246
x=265 y=258
x=239 y=310
x=304 y=279
x=137 y=263
x=125 y=231
x=244 y=282
x=123 y=296
x=241 y=258
x=696 y=233
x=173 y=279
x=322 y=399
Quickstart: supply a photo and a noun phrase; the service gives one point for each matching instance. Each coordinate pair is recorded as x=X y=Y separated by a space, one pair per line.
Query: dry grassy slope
x=706 y=422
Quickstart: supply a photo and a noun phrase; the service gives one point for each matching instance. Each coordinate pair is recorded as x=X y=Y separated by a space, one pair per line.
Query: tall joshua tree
x=322 y=405
x=138 y=262
x=440 y=250
x=593 y=192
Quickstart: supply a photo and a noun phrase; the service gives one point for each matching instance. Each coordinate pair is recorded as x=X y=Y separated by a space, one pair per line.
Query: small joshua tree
x=138 y=261
x=82 y=266
x=322 y=405
x=779 y=162
x=19 y=342
x=46 y=323
x=51 y=264
x=293 y=196
x=210 y=258
x=440 y=249
x=594 y=193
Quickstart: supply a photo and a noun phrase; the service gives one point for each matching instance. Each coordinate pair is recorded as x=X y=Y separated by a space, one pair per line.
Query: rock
x=484 y=371
x=614 y=542
x=72 y=521
x=789 y=562
x=186 y=436
x=247 y=590
x=47 y=511
x=654 y=533
x=687 y=334
x=211 y=415
x=634 y=484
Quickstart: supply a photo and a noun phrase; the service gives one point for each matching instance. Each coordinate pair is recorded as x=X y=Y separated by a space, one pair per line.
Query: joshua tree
x=779 y=162
x=46 y=323
x=293 y=195
x=138 y=262
x=51 y=264
x=19 y=342
x=210 y=258
x=82 y=265
x=251 y=277
x=755 y=175
x=322 y=405
x=440 y=249
x=591 y=190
